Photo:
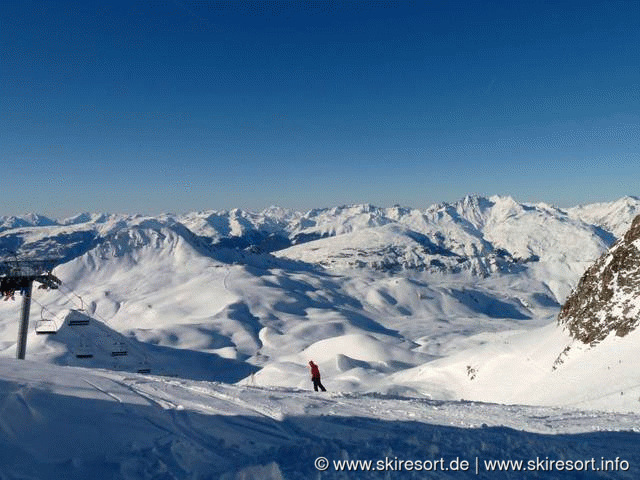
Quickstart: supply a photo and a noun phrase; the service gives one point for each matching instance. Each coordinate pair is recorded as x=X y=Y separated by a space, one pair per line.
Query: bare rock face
x=607 y=298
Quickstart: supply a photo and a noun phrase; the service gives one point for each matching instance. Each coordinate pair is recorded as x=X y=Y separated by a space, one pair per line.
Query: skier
x=315 y=376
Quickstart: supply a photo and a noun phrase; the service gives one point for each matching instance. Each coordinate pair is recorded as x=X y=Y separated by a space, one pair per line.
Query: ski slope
x=69 y=422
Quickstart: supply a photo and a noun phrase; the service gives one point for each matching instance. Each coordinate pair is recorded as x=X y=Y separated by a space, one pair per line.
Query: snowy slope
x=388 y=248
x=589 y=359
x=539 y=367
x=188 y=283
x=63 y=422
x=614 y=217
x=406 y=311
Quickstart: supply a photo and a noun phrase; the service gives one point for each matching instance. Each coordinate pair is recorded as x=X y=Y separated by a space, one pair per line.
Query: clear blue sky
x=175 y=105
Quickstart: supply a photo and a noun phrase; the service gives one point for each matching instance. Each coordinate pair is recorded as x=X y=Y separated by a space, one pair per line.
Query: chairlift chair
x=119 y=349
x=46 y=326
x=83 y=350
x=81 y=309
x=77 y=321
x=143 y=367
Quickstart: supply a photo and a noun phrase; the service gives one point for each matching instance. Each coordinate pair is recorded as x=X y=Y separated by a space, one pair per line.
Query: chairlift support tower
x=19 y=276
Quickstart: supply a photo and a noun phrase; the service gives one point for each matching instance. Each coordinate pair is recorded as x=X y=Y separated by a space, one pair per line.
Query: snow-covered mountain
x=271 y=288
x=588 y=359
x=405 y=311
x=480 y=234
x=613 y=217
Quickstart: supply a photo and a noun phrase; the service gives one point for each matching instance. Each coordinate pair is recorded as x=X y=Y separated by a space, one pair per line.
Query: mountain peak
x=476 y=199
x=87 y=217
x=630 y=198
x=27 y=220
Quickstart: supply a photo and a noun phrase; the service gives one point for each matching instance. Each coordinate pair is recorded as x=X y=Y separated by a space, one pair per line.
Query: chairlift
x=144 y=366
x=84 y=352
x=79 y=320
x=46 y=326
x=119 y=349
x=81 y=309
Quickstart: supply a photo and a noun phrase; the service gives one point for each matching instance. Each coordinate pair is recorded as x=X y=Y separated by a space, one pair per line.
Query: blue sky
x=174 y=105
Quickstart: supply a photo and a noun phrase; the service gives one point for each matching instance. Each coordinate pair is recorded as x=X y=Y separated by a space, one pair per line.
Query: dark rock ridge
x=607 y=298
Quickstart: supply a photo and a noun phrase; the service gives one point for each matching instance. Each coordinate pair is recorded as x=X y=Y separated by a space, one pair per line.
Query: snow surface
x=432 y=329
x=69 y=422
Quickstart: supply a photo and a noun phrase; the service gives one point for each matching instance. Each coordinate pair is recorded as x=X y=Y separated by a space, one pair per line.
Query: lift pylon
x=18 y=276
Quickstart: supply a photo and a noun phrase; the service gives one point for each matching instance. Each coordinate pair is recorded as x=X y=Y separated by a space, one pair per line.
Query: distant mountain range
x=476 y=234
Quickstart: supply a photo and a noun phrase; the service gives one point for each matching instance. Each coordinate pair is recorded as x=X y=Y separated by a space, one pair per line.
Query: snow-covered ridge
x=607 y=298
x=476 y=234
x=611 y=216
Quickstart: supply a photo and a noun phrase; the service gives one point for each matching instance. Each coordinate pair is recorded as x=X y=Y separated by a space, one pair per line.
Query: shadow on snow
x=50 y=436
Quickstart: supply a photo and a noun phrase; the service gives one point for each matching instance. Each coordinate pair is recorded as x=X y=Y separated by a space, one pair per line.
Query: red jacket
x=315 y=372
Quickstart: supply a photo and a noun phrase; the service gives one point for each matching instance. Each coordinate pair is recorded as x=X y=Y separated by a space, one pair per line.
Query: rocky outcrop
x=607 y=298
